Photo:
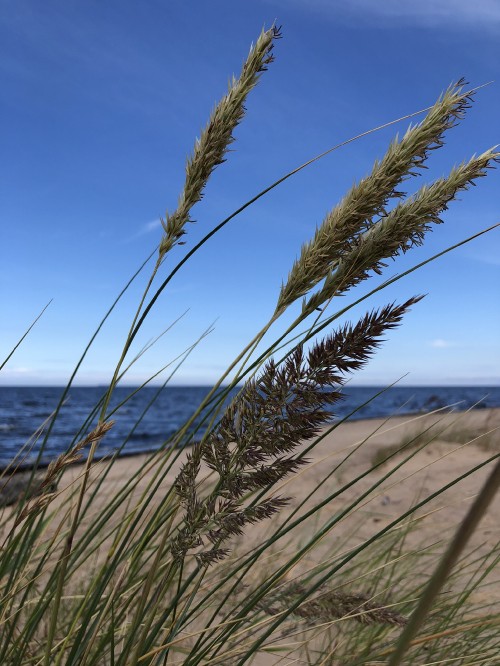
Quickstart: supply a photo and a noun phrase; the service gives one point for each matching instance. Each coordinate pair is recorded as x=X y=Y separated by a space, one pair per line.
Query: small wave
x=144 y=437
x=30 y=403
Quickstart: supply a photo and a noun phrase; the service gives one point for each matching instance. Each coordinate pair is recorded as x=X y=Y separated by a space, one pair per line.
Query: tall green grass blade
x=24 y=336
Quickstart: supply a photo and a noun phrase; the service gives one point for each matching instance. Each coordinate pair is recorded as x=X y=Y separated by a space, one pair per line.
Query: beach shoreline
x=479 y=427
x=339 y=459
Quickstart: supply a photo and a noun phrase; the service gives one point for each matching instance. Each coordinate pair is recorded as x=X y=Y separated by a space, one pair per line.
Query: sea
x=146 y=420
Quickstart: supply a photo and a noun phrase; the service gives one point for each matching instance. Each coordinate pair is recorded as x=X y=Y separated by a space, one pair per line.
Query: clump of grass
x=438 y=429
x=14 y=487
x=44 y=491
x=273 y=414
x=164 y=585
x=334 y=605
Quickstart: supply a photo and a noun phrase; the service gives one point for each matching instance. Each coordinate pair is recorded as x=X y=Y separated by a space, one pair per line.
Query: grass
x=202 y=556
x=451 y=429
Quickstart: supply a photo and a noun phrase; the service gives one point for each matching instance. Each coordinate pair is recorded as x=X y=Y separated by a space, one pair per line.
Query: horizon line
x=210 y=385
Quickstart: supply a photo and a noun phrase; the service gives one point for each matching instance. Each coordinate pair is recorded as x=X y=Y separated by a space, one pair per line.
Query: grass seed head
x=401 y=229
x=251 y=448
x=211 y=148
x=368 y=199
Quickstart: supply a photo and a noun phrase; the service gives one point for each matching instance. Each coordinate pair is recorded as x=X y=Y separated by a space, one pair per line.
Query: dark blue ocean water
x=24 y=409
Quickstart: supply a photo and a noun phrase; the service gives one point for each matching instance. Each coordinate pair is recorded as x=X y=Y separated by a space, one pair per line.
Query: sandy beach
x=462 y=441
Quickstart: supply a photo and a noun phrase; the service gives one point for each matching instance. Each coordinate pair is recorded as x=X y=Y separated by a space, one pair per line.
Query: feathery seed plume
x=44 y=494
x=210 y=149
x=251 y=447
x=331 y=605
x=368 y=199
x=401 y=229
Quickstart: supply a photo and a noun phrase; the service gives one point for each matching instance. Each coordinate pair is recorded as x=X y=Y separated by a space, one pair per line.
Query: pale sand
x=439 y=463
x=429 y=470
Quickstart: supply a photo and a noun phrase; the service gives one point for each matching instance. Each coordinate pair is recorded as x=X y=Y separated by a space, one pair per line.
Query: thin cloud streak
x=144 y=230
x=439 y=343
x=150 y=226
x=491 y=260
x=429 y=13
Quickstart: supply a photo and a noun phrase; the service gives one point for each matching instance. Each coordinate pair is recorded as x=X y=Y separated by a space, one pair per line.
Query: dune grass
x=451 y=429
x=202 y=556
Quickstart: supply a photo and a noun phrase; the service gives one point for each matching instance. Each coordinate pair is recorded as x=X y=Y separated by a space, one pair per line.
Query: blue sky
x=101 y=105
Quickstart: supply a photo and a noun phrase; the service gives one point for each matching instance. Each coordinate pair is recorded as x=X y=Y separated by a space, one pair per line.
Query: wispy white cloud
x=150 y=226
x=17 y=370
x=144 y=229
x=18 y=376
x=485 y=258
x=431 y=13
x=439 y=343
